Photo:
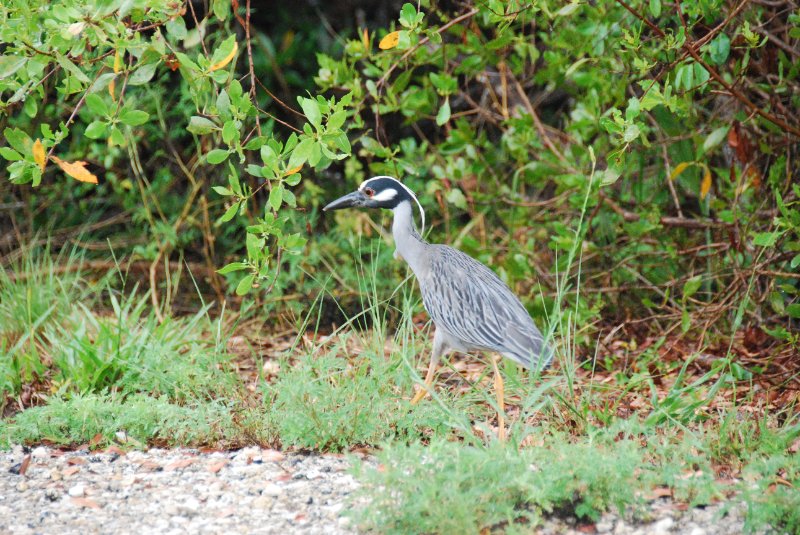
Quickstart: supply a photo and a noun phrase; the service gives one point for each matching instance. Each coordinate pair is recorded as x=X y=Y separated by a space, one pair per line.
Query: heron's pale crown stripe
x=413 y=196
x=385 y=195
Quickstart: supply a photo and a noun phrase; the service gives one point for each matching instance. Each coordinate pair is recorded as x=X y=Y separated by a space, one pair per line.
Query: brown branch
x=667 y=221
x=423 y=41
x=689 y=47
x=382 y=80
x=250 y=61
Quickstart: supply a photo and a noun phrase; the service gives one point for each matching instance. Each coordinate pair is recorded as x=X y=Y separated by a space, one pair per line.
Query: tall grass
x=36 y=291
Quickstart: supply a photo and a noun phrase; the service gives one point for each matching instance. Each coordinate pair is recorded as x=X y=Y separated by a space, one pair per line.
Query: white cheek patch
x=385 y=195
x=391 y=194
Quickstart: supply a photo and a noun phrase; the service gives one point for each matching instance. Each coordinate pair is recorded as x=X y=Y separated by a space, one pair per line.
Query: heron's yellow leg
x=438 y=350
x=499 y=390
x=425 y=389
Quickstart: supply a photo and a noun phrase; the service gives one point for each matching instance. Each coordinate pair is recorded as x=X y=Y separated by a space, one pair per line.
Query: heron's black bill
x=350 y=200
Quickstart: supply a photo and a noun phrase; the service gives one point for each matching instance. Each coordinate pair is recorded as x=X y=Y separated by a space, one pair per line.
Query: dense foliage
x=662 y=138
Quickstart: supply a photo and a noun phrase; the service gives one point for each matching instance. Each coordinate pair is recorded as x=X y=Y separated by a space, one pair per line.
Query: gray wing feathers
x=470 y=302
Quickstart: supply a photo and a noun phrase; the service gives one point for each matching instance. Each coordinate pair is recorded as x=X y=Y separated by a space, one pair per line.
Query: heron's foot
x=421 y=394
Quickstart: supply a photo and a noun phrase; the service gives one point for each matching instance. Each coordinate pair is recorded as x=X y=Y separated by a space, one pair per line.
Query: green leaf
x=176 y=28
x=73 y=69
x=289 y=198
x=633 y=109
x=610 y=175
x=336 y=120
x=144 y=72
x=217 y=156
x=311 y=111
x=233 y=179
x=568 y=9
x=793 y=310
x=701 y=75
x=719 y=49
x=117 y=137
x=232 y=267
x=230 y=212
x=253 y=244
x=715 y=138
x=276 y=197
x=221 y=190
x=96 y=130
x=293 y=179
x=245 y=285
x=133 y=117
x=11 y=64
x=686 y=320
x=97 y=105
x=224 y=104
x=268 y=155
x=691 y=286
x=408 y=15
x=10 y=154
x=200 y=125
x=444 y=113
x=631 y=133
x=444 y=83
x=776 y=301
x=766 y=239
x=655 y=8
x=222 y=9
x=19 y=140
x=301 y=153
x=223 y=51
x=229 y=132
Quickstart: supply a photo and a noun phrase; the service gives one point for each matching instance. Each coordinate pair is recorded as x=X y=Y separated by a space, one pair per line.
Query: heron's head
x=378 y=192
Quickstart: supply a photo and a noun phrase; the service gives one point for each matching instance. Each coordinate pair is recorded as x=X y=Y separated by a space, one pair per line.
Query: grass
x=581 y=441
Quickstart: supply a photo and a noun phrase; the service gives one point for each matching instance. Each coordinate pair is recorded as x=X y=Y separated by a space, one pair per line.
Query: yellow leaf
x=117 y=61
x=365 y=39
x=38 y=154
x=705 y=185
x=680 y=168
x=293 y=170
x=390 y=41
x=76 y=170
x=227 y=59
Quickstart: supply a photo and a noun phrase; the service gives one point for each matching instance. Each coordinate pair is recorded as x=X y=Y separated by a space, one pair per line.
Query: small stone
x=52 y=494
x=663 y=526
x=190 y=507
x=697 y=530
x=77 y=491
x=605 y=525
x=262 y=502
x=22 y=486
x=271 y=489
x=40 y=452
x=55 y=475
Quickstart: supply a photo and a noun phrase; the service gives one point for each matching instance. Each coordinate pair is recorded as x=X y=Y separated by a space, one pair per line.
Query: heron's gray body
x=471 y=308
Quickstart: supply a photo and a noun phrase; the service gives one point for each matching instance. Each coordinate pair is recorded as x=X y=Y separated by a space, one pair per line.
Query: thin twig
x=383 y=79
x=689 y=46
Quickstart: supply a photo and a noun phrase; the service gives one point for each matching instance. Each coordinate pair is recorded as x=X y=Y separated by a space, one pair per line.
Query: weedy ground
x=87 y=361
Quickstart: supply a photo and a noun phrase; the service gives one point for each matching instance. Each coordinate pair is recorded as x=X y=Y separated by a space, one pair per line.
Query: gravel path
x=247 y=491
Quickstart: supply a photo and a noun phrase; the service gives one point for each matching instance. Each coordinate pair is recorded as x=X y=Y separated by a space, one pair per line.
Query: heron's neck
x=407 y=241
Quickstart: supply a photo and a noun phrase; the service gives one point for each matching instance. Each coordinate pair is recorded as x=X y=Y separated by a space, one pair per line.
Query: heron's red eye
x=369 y=192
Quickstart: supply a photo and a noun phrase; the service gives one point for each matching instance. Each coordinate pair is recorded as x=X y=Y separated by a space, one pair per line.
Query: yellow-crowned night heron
x=471 y=307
